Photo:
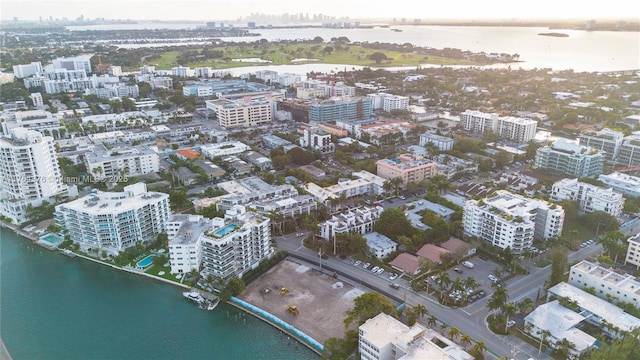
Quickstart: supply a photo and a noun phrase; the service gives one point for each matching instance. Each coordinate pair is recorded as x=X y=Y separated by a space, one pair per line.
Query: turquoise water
x=56 y=307
x=52 y=239
x=145 y=262
x=225 y=230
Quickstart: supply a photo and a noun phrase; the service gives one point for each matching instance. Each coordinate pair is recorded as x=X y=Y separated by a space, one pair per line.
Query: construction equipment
x=293 y=309
x=284 y=291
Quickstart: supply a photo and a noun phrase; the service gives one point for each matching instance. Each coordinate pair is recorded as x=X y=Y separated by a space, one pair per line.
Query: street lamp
x=320 y=258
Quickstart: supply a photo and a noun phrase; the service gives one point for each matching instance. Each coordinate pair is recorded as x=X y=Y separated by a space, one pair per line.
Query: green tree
x=378 y=57
x=393 y=223
x=367 y=306
x=234 y=287
x=454 y=332
x=508 y=311
x=559 y=263
x=627 y=347
x=339 y=349
x=465 y=340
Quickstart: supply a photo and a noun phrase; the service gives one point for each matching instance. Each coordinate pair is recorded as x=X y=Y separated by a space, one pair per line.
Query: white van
x=468 y=264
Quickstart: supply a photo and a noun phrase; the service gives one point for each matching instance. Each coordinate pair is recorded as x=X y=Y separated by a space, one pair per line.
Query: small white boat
x=193 y=296
x=209 y=304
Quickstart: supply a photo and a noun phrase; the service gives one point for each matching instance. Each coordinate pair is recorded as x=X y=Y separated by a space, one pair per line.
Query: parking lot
x=480 y=272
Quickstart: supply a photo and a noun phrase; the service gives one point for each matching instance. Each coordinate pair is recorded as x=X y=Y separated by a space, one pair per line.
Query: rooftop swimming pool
x=145 y=262
x=225 y=230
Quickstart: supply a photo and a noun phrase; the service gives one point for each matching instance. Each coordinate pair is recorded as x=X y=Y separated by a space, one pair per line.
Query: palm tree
x=480 y=347
x=498 y=299
x=443 y=282
x=508 y=310
x=432 y=321
x=443 y=327
x=454 y=333
x=565 y=346
x=525 y=306
x=420 y=310
x=543 y=337
x=465 y=340
x=396 y=182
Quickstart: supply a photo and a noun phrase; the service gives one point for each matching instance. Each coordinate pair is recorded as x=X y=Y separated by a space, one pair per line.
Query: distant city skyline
x=203 y=10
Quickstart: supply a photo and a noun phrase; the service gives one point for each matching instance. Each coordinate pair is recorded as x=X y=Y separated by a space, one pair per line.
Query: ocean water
x=56 y=307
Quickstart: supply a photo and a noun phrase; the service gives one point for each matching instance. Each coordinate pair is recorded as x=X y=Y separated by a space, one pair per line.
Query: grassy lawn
x=283 y=54
x=154 y=270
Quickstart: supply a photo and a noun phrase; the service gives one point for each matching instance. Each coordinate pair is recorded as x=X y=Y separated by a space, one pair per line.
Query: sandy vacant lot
x=321 y=299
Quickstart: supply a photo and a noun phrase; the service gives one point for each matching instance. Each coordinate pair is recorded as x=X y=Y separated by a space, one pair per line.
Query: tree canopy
x=393 y=223
x=367 y=306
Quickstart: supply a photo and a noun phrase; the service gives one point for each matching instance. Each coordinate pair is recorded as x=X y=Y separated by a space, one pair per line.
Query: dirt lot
x=321 y=300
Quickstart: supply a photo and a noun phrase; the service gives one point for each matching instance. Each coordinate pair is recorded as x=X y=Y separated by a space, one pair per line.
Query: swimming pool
x=146 y=261
x=225 y=230
x=52 y=239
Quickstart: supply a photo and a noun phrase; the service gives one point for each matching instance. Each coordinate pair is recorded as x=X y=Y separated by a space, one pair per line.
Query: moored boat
x=193 y=296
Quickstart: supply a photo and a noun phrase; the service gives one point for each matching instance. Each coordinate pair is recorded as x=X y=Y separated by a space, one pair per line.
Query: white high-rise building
x=589 y=197
x=29 y=172
x=250 y=111
x=223 y=248
x=518 y=129
x=511 y=220
x=36 y=99
x=389 y=102
x=23 y=71
x=113 y=221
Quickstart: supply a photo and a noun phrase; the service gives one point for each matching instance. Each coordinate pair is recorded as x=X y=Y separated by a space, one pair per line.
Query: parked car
x=510 y=323
x=483 y=257
x=402 y=197
x=366 y=265
x=380 y=271
x=393 y=276
x=324 y=256
x=458 y=270
x=358 y=262
x=493 y=278
x=375 y=268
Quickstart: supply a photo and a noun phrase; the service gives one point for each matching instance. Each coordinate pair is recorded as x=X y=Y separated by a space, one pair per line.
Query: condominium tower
x=511 y=220
x=29 y=172
x=113 y=221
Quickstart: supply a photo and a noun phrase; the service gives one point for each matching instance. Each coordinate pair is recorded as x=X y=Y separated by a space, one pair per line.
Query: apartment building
x=340 y=108
x=510 y=220
x=624 y=183
x=250 y=111
x=113 y=221
x=359 y=220
x=225 y=148
x=389 y=102
x=265 y=198
x=570 y=159
x=517 y=129
x=589 y=197
x=114 y=164
x=408 y=167
x=38 y=120
x=315 y=140
x=442 y=143
x=365 y=184
x=450 y=166
x=221 y=247
x=610 y=319
x=606 y=140
x=29 y=172
x=26 y=70
x=198 y=91
x=80 y=62
x=629 y=153
x=182 y=71
x=377 y=131
x=608 y=283
x=385 y=338
x=633 y=251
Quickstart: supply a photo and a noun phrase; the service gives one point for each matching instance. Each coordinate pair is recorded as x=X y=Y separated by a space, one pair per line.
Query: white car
x=358 y=262
x=493 y=278
x=375 y=268
x=380 y=271
x=393 y=276
x=511 y=323
x=366 y=265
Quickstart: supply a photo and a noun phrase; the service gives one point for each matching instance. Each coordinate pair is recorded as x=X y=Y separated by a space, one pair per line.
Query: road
x=470 y=320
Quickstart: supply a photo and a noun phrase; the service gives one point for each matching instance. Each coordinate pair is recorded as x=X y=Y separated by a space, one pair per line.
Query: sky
x=383 y=9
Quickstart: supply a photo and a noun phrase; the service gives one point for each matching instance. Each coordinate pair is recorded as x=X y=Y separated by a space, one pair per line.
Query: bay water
x=56 y=307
